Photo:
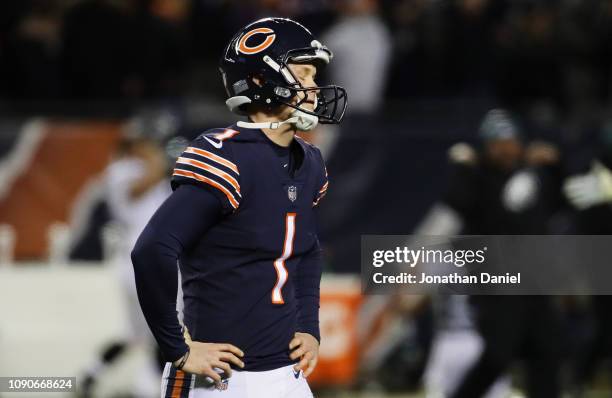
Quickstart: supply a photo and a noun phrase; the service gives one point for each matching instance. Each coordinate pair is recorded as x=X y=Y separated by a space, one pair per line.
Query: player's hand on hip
x=205 y=357
x=305 y=347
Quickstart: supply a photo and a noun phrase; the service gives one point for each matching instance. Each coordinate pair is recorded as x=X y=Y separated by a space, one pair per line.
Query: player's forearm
x=307 y=288
x=156 y=275
x=174 y=228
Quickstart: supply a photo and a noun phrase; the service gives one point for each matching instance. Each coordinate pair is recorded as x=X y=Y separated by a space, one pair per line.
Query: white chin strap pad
x=301 y=120
x=304 y=122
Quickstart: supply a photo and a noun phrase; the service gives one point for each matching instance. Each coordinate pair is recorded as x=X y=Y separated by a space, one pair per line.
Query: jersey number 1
x=279 y=263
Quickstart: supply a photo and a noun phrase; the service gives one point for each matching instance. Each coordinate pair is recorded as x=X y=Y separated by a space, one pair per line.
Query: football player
x=241 y=224
x=507 y=187
x=135 y=185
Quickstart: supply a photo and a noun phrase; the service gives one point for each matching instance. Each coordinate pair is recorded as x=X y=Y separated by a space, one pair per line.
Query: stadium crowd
x=554 y=55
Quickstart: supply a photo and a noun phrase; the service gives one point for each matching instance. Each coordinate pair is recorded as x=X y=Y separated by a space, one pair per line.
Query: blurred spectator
x=29 y=45
x=130 y=49
x=442 y=48
x=94 y=50
x=529 y=56
x=362 y=45
x=158 y=53
x=408 y=21
x=469 y=34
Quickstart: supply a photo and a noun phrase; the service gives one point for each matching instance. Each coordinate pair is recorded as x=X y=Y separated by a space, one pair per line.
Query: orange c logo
x=243 y=48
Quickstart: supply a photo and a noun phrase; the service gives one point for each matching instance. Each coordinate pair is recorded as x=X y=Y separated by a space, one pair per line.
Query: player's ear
x=255 y=108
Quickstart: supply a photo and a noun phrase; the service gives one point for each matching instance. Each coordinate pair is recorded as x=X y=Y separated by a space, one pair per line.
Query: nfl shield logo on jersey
x=292 y=193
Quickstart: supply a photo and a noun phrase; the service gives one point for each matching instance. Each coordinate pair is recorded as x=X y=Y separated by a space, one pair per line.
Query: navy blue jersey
x=252 y=278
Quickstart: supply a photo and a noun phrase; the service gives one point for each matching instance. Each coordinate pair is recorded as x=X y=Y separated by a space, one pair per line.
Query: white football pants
x=278 y=383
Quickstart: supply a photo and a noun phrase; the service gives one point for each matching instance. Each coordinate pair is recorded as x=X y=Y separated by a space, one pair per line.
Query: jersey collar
x=257 y=135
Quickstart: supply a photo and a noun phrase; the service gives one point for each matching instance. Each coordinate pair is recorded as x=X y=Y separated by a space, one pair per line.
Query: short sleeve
x=208 y=163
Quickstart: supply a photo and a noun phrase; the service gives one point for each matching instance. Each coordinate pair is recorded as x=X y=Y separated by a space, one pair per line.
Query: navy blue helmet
x=263 y=49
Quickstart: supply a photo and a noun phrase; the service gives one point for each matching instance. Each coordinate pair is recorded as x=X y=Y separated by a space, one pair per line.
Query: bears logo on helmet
x=245 y=49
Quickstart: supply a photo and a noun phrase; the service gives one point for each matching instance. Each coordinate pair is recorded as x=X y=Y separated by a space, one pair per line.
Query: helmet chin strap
x=301 y=120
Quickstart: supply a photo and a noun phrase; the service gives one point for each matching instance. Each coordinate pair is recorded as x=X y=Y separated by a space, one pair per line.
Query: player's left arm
x=305 y=343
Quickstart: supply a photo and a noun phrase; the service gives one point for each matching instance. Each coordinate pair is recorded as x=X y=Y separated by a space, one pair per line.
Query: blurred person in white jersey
x=136 y=183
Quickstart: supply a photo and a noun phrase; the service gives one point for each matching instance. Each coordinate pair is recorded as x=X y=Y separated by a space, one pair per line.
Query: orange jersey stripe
x=324 y=187
x=214 y=157
x=220 y=173
x=316 y=202
x=196 y=176
x=228 y=133
x=178 y=385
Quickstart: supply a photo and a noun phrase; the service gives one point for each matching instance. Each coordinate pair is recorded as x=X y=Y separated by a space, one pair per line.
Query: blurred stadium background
x=81 y=79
